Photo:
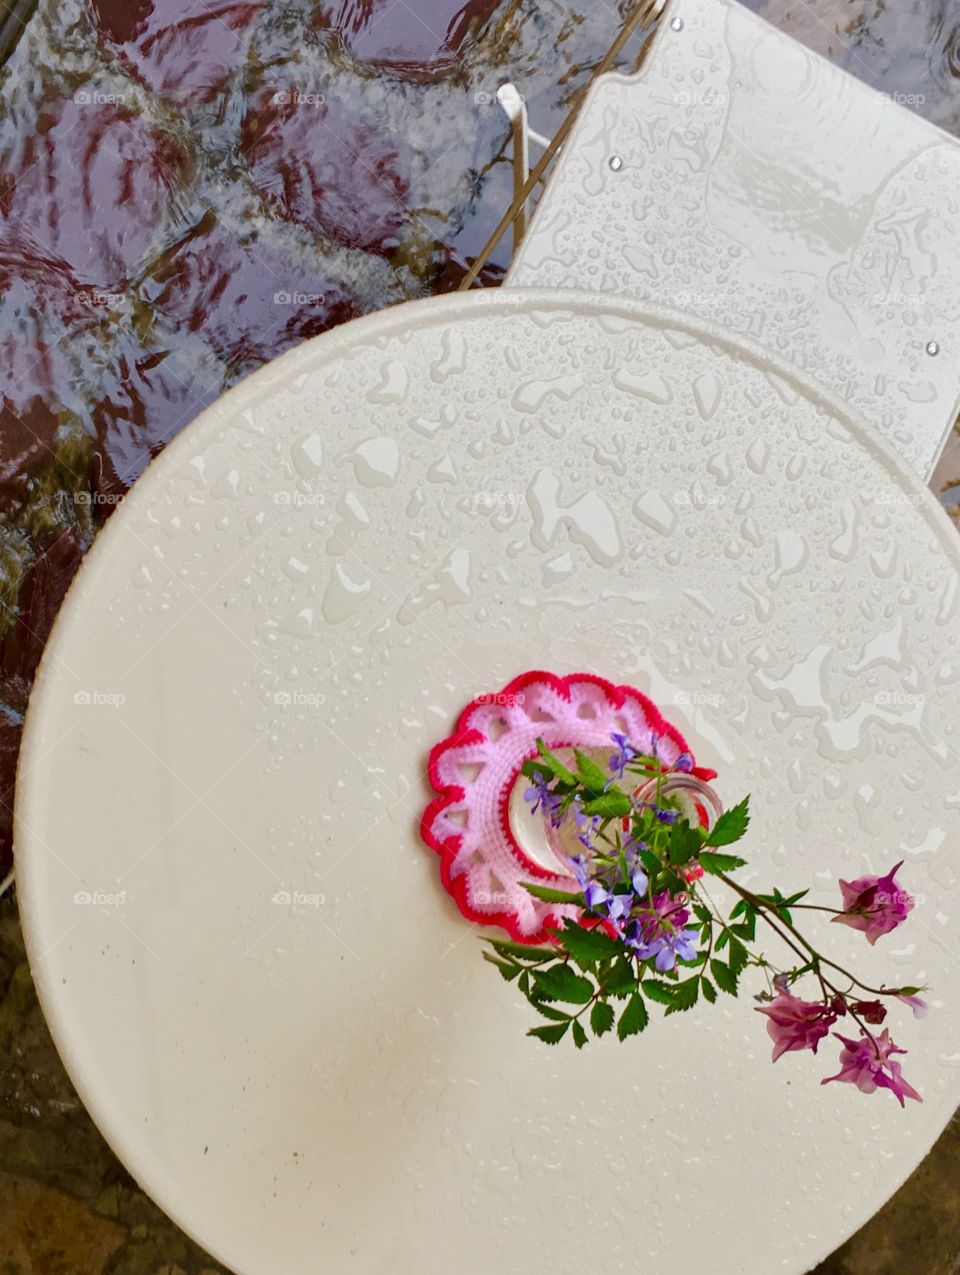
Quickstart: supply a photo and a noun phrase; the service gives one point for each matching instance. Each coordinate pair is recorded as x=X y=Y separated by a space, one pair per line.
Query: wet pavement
x=188 y=188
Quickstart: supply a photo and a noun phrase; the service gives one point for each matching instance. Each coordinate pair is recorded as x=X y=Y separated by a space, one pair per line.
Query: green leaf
x=554 y=764
x=587 y=947
x=650 y=861
x=685 y=995
x=601 y=1018
x=589 y=773
x=657 y=991
x=724 y=977
x=548 y=1011
x=717 y=863
x=560 y=983
x=521 y=951
x=609 y=805
x=549 y=895
x=709 y=991
x=620 y=980
x=634 y=1018
x=738 y=956
x=703 y=914
x=509 y=972
x=685 y=842
x=523 y=982
x=731 y=825
x=552 y=1033
x=579 y=1035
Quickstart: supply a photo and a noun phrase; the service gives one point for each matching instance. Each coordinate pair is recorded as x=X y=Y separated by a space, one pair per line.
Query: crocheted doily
x=472 y=824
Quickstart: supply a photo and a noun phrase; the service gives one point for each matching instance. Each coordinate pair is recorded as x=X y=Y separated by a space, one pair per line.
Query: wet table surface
x=187 y=188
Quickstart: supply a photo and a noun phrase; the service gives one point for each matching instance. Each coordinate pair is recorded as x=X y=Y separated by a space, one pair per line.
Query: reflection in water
x=189 y=187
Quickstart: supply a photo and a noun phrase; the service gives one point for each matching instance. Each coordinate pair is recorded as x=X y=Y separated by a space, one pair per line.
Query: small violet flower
x=684 y=763
x=624 y=755
x=541 y=798
x=868 y=1064
x=793 y=1023
x=874 y=905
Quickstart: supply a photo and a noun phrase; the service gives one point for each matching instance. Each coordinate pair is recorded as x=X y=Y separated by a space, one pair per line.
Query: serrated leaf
x=549 y=895
x=589 y=773
x=703 y=914
x=601 y=1018
x=554 y=764
x=650 y=861
x=685 y=842
x=520 y=951
x=579 y=1035
x=657 y=991
x=620 y=979
x=745 y=930
x=561 y=983
x=715 y=863
x=709 y=991
x=548 y=1011
x=609 y=805
x=724 y=977
x=507 y=971
x=587 y=947
x=685 y=995
x=523 y=982
x=634 y=1018
x=731 y=825
x=738 y=955
x=551 y=1033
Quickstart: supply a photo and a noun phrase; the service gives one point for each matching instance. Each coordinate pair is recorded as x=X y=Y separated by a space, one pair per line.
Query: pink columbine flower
x=796 y=1024
x=867 y=1063
x=875 y=905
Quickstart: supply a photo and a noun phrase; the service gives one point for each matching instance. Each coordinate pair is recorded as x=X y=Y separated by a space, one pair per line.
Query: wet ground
x=187 y=188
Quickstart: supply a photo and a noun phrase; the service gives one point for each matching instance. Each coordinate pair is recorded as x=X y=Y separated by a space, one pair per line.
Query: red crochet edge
x=451 y=793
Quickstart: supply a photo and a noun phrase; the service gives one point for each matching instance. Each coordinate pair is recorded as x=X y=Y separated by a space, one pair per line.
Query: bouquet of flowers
x=647 y=931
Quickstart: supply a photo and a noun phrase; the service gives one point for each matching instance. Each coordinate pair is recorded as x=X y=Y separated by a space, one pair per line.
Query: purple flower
x=684 y=762
x=657 y=932
x=793 y=1023
x=586 y=823
x=640 y=882
x=868 y=1064
x=625 y=754
x=542 y=799
x=874 y=905
x=917 y=1004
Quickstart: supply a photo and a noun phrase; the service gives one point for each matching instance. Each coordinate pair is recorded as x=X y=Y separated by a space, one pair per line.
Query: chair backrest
x=744 y=179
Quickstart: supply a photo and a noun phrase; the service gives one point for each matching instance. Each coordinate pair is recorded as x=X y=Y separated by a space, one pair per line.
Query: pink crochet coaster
x=475 y=770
